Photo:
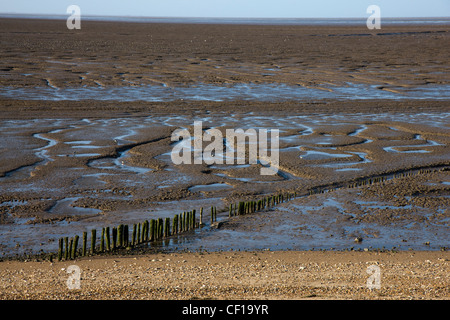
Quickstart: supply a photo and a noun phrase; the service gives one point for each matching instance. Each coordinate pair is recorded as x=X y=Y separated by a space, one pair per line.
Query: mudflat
x=86 y=123
x=45 y=53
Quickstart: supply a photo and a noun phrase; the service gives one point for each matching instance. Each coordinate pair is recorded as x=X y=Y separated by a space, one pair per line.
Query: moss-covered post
x=93 y=238
x=107 y=239
x=66 y=249
x=152 y=230
x=167 y=228
x=160 y=228
x=61 y=249
x=70 y=248
x=146 y=231
x=119 y=236
x=126 y=236
x=190 y=220
x=84 y=250
x=139 y=233
x=75 y=246
x=157 y=228
x=133 y=235
x=102 y=240
x=174 y=224
x=114 y=238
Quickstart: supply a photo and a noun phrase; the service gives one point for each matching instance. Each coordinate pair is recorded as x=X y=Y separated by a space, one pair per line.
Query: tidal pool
x=210 y=187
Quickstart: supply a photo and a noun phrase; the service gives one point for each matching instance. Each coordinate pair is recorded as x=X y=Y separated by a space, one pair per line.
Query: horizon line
x=58 y=16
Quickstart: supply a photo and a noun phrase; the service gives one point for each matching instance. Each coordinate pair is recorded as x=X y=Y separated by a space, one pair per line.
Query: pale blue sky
x=233 y=8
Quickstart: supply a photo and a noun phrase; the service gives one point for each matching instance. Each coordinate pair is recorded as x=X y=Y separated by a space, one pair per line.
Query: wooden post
x=146 y=225
x=66 y=249
x=102 y=240
x=126 y=236
x=152 y=230
x=141 y=232
x=84 y=243
x=114 y=238
x=70 y=248
x=133 y=236
x=61 y=249
x=160 y=228
x=107 y=239
x=157 y=229
x=167 y=227
x=120 y=236
x=93 y=238
x=174 y=224
x=75 y=246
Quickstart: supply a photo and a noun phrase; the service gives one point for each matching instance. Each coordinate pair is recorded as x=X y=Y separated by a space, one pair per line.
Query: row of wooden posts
x=115 y=238
x=369 y=181
x=247 y=207
x=119 y=237
x=158 y=229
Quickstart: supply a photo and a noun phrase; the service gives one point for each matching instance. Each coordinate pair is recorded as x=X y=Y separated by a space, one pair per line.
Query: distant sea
x=252 y=21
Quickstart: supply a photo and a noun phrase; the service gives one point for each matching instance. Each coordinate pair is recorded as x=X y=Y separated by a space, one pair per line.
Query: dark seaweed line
x=156 y=230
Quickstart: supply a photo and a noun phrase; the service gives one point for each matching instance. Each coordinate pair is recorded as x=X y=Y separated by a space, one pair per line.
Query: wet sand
x=69 y=166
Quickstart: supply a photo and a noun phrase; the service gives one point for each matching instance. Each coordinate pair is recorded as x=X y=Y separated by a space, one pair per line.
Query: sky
x=233 y=8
